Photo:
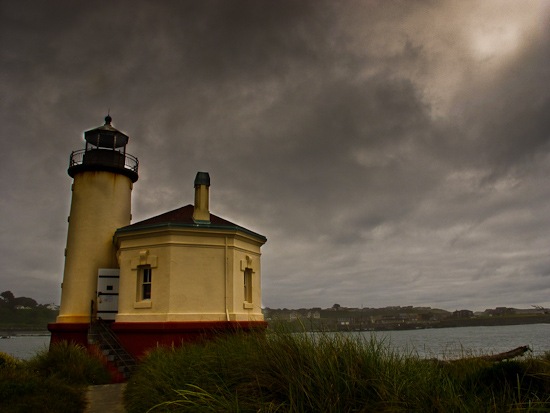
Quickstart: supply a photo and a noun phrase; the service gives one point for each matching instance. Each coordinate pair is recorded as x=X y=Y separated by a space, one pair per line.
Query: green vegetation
x=24 y=313
x=338 y=318
x=283 y=372
x=52 y=381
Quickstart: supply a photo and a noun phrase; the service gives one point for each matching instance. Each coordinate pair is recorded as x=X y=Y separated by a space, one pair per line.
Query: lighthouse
x=103 y=175
x=180 y=276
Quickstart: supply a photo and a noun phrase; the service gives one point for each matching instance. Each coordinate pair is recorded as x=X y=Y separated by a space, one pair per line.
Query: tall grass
x=52 y=381
x=71 y=363
x=22 y=391
x=282 y=372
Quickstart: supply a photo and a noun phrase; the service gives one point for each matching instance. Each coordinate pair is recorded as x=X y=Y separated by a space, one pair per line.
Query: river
x=24 y=346
x=433 y=343
x=456 y=342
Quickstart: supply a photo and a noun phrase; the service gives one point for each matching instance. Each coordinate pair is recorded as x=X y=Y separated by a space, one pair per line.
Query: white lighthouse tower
x=103 y=175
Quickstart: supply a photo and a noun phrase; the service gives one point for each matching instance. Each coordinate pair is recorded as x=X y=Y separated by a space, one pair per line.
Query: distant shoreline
x=471 y=322
x=22 y=333
x=397 y=326
x=497 y=321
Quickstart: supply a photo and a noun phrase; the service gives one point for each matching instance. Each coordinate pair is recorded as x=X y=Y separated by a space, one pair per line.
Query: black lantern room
x=105 y=151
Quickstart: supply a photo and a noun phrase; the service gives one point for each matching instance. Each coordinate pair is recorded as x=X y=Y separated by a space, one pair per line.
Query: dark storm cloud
x=392 y=152
x=509 y=126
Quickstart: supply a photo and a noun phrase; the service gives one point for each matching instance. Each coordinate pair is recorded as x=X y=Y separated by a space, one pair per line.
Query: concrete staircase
x=101 y=335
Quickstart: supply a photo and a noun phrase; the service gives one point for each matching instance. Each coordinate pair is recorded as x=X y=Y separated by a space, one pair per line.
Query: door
x=107 y=293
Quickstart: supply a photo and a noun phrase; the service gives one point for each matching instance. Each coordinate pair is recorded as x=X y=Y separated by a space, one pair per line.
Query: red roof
x=183 y=217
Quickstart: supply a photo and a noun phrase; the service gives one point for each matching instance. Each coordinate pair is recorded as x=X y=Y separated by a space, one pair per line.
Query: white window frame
x=145 y=283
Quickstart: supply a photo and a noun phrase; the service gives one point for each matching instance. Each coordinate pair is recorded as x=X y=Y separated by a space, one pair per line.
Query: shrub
x=22 y=391
x=53 y=380
x=70 y=363
x=8 y=362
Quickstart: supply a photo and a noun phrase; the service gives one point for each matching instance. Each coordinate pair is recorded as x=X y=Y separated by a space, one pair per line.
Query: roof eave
x=171 y=225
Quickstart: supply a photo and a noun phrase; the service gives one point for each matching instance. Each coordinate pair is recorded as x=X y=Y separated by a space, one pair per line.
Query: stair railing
x=109 y=341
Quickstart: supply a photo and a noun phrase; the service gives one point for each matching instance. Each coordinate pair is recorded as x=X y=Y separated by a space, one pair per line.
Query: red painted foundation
x=138 y=338
x=72 y=332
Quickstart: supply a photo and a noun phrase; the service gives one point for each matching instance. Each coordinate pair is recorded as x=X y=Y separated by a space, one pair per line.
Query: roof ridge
x=183 y=216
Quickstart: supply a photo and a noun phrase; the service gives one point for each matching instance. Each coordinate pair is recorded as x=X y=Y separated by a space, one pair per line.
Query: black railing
x=100 y=333
x=105 y=157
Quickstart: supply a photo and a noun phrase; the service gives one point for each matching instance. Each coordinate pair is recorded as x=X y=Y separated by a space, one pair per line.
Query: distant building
x=315 y=314
x=499 y=311
x=463 y=314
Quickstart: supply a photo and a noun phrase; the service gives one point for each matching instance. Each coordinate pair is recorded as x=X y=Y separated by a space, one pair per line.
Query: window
x=248 y=285
x=146 y=275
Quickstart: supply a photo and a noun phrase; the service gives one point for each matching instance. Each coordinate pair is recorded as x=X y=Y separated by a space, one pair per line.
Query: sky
x=392 y=152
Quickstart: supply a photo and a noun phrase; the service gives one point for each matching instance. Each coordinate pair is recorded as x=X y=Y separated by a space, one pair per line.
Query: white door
x=107 y=293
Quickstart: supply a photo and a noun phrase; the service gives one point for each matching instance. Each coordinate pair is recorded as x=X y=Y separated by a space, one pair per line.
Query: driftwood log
x=507 y=355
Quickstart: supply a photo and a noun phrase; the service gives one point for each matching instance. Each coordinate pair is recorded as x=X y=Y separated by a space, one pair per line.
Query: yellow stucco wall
x=101 y=203
x=197 y=275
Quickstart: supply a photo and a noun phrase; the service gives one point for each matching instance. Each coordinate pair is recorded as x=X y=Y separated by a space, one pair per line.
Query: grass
x=283 y=372
x=53 y=380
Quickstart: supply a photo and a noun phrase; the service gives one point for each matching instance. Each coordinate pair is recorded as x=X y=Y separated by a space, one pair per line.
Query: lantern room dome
x=106 y=136
x=105 y=151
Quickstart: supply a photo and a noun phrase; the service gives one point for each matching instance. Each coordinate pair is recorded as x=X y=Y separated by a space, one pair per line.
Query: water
x=24 y=346
x=450 y=343
x=436 y=342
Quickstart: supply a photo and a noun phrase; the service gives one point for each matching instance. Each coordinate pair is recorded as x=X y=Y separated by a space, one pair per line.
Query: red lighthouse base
x=72 y=332
x=138 y=338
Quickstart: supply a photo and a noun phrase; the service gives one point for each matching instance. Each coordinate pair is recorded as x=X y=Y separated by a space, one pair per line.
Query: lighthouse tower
x=103 y=175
